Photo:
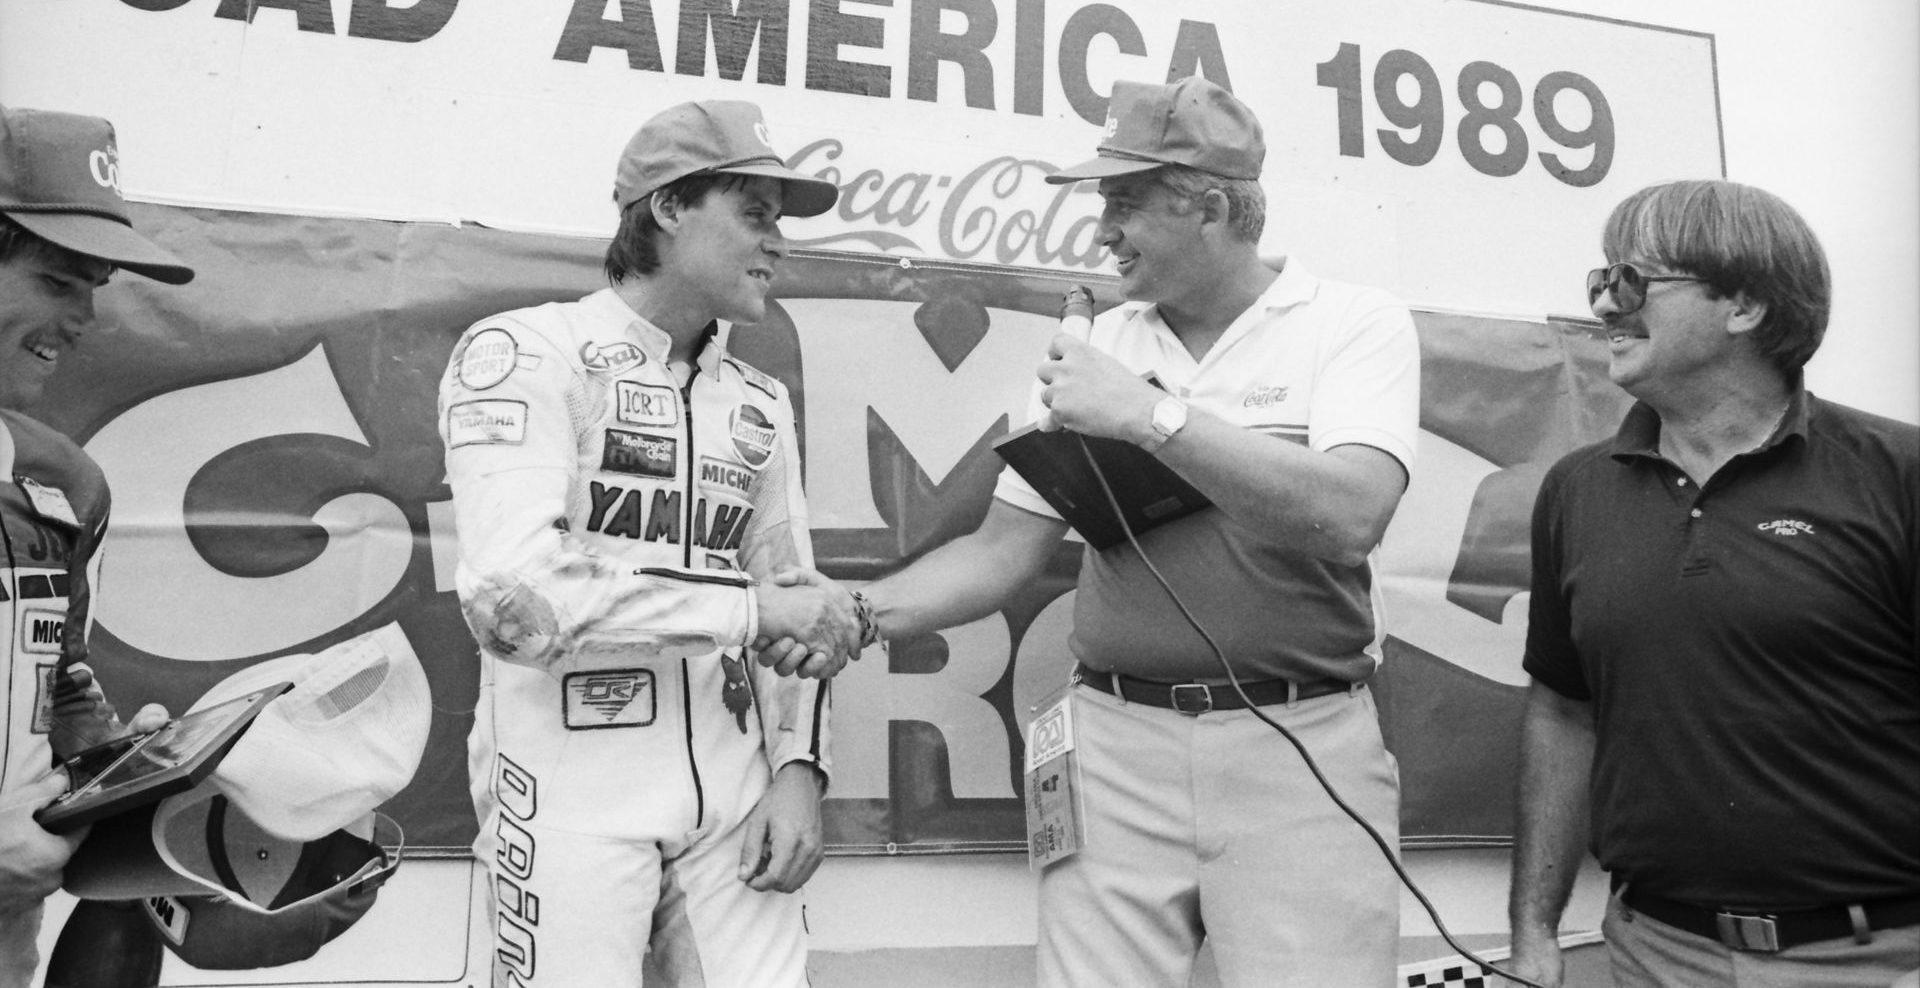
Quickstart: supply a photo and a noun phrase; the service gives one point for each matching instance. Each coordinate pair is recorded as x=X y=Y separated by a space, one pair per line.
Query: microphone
x=1076 y=320
x=1076 y=312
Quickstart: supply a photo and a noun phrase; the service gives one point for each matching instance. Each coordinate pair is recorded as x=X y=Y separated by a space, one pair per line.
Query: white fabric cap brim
x=344 y=740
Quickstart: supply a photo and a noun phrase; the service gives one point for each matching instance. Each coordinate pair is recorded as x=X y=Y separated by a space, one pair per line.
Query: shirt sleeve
x=1550 y=655
x=1367 y=389
x=793 y=711
x=532 y=593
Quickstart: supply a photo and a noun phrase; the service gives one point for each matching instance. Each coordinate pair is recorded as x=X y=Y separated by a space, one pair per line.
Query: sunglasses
x=1628 y=285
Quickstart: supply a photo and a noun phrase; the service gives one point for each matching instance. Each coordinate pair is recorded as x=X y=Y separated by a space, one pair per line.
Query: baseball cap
x=1191 y=122
x=344 y=740
x=60 y=179
x=224 y=892
x=727 y=136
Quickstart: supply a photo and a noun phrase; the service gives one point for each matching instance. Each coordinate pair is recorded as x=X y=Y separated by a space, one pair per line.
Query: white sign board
x=1462 y=153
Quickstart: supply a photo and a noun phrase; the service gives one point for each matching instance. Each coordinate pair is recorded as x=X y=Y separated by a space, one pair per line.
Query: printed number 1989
x=1425 y=117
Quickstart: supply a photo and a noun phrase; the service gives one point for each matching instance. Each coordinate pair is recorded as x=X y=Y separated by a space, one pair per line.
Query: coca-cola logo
x=999 y=210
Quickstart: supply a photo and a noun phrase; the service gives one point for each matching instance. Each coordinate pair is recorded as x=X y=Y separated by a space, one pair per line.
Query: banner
x=357 y=181
x=1461 y=154
x=269 y=433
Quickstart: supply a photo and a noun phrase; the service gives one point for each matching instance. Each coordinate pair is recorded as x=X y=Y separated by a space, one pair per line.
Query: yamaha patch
x=609 y=698
x=492 y=420
x=639 y=455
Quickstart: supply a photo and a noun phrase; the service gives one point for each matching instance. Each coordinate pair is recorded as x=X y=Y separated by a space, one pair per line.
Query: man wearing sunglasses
x=1722 y=629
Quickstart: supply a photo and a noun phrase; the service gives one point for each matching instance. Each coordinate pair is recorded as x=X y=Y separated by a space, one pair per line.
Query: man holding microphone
x=1292 y=402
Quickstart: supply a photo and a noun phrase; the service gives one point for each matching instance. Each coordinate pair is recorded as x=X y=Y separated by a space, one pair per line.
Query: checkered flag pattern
x=1450 y=976
x=1458 y=972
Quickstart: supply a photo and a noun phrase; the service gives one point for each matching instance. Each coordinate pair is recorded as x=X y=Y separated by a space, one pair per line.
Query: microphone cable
x=1312 y=766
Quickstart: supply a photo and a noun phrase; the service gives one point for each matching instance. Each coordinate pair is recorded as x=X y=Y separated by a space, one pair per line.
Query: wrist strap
x=869 y=625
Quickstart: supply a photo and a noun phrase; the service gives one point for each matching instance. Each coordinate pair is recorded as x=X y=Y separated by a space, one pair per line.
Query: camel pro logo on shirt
x=639 y=455
x=609 y=698
x=645 y=404
x=753 y=435
x=1786 y=526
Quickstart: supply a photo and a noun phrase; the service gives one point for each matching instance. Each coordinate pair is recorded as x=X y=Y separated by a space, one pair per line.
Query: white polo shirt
x=1312 y=361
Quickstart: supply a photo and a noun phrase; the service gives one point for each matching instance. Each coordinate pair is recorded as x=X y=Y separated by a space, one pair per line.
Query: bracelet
x=869 y=625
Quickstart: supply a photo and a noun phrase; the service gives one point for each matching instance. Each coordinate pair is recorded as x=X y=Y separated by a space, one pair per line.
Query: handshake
x=810 y=626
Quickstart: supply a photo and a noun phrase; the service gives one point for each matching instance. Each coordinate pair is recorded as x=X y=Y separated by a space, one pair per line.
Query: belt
x=1198 y=698
x=1771 y=932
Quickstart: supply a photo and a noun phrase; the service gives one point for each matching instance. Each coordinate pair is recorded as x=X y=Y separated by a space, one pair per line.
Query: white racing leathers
x=609 y=517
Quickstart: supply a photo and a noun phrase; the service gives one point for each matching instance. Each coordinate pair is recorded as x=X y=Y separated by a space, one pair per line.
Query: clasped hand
x=809 y=625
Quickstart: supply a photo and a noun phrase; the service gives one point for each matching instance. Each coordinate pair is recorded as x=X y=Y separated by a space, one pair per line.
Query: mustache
x=1623 y=327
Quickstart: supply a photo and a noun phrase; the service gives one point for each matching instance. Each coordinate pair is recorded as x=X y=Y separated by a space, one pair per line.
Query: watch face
x=1169 y=414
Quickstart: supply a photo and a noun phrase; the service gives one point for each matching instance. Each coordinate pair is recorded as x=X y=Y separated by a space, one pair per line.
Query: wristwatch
x=1169 y=417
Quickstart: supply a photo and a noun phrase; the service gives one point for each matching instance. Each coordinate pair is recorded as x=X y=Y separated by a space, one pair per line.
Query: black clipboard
x=133 y=771
x=1150 y=492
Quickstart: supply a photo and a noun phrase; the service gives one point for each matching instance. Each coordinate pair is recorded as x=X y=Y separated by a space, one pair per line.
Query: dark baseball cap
x=712 y=136
x=60 y=180
x=1191 y=122
x=225 y=892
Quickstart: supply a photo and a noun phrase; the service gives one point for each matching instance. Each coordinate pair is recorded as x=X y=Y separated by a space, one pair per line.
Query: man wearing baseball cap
x=620 y=482
x=1292 y=402
x=64 y=230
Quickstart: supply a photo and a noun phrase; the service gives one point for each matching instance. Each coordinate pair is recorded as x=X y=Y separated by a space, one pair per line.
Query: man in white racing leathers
x=619 y=480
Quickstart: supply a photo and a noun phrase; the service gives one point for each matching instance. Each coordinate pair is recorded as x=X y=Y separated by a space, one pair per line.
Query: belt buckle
x=1191 y=698
x=1746 y=931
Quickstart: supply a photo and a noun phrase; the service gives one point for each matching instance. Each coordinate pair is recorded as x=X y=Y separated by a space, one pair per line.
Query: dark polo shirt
x=1749 y=648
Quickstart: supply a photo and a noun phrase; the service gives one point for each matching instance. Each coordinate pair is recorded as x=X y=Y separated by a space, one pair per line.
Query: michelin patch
x=753 y=435
x=645 y=404
x=640 y=455
x=498 y=421
x=488 y=358
x=715 y=472
x=41 y=629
